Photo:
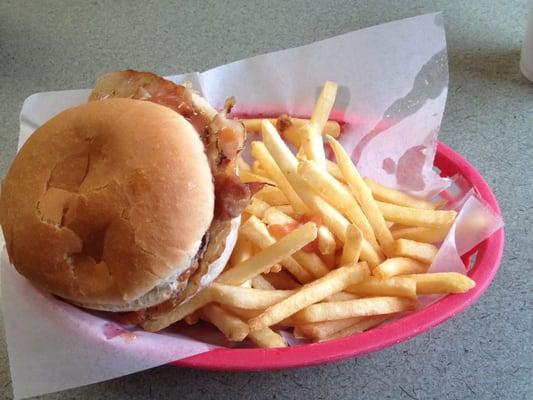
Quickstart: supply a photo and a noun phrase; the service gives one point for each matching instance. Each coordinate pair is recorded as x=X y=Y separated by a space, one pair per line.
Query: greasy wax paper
x=393 y=82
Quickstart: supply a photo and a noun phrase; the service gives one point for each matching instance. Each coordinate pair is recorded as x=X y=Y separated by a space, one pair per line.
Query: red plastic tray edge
x=489 y=254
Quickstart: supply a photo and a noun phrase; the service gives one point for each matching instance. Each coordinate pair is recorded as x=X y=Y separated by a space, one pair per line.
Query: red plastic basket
x=489 y=254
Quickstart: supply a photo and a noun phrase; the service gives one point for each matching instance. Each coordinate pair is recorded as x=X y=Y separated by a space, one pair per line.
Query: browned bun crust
x=107 y=201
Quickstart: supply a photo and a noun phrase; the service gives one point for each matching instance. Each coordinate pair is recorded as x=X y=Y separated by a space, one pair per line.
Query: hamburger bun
x=106 y=204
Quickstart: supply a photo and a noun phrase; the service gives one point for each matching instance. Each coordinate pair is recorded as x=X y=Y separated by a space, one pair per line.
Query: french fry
x=363 y=195
x=231 y=326
x=441 y=283
x=354 y=308
x=322 y=330
x=248 y=177
x=352 y=248
x=179 y=312
x=246 y=297
x=388 y=195
x=334 y=171
x=256 y=231
x=421 y=234
x=243 y=313
x=423 y=252
x=398 y=286
x=333 y=282
x=416 y=217
x=342 y=296
x=287 y=210
x=370 y=255
x=276 y=216
x=331 y=128
x=243 y=250
x=311 y=138
x=399 y=266
x=360 y=326
x=336 y=194
x=257 y=207
x=312 y=145
x=312 y=263
x=259 y=282
x=267 y=338
x=246 y=314
x=324 y=105
x=262 y=261
x=272 y=195
x=282 y=280
x=261 y=153
x=326 y=241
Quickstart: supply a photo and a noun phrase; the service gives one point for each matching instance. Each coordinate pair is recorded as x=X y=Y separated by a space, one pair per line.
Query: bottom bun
x=171 y=287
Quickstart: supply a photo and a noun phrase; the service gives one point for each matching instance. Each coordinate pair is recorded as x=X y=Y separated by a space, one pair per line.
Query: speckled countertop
x=484 y=353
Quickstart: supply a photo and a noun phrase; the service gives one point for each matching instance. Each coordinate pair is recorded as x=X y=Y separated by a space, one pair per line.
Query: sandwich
x=129 y=203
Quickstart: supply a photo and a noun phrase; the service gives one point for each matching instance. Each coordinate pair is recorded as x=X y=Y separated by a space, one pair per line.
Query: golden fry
x=267 y=338
x=246 y=298
x=312 y=263
x=272 y=195
x=354 y=308
x=421 y=234
x=399 y=266
x=388 y=195
x=398 y=286
x=442 y=282
x=352 y=248
x=342 y=296
x=326 y=241
x=231 y=326
x=362 y=325
x=322 y=330
x=417 y=217
x=423 y=252
x=334 y=171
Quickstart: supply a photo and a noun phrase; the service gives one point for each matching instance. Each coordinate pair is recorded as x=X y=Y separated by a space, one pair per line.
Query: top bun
x=107 y=202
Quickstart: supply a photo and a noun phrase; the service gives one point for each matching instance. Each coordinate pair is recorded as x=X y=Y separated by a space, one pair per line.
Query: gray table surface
x=484 y=353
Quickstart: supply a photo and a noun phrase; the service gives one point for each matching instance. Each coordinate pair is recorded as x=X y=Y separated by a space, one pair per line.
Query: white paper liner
x=393 y=85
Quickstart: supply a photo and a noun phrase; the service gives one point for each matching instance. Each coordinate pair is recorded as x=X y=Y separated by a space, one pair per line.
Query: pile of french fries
x=322 y=251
